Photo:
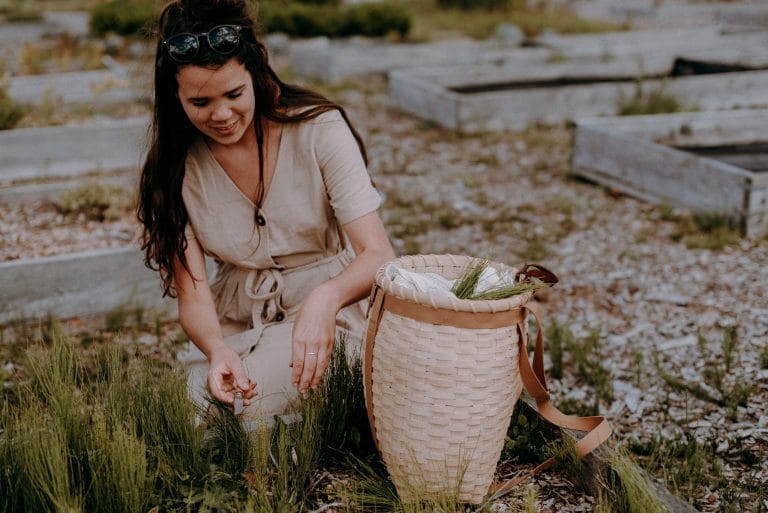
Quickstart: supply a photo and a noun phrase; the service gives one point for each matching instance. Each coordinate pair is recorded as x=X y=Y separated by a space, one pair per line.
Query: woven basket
x=441 y=381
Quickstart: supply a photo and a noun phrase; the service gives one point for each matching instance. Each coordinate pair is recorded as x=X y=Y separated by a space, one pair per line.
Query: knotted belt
x=265 y=287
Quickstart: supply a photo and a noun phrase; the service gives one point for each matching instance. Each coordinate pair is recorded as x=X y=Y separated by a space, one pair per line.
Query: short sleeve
x=349 y=187
x=189 y=232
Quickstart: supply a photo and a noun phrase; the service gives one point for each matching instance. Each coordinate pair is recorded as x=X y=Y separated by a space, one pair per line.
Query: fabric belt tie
x=265 y=287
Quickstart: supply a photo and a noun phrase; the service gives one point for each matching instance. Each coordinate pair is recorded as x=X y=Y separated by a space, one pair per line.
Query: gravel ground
x=657 y=306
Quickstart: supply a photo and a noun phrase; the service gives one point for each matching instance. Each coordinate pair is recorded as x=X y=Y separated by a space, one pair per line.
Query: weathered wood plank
x=333 y=61
x=34 y=153
x=659 y=174
x=76 y=284
x=50 y=191
x=648 y=51
x=743 y=126
x=92 y=87
x=425 y=98
x=560 y=92
x=756 y=222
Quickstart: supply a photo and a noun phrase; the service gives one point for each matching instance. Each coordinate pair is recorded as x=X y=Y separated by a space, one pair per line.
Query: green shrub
x=652 y=102
x=474 y=4
x=303 y=20
x=124 y=17
x=707 y=230
x=10 y=111
x=18 y=11
x=96 y=201
x=376 y=20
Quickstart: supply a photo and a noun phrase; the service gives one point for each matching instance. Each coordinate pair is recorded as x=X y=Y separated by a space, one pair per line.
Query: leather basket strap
x=598 y=429
x=375 y=311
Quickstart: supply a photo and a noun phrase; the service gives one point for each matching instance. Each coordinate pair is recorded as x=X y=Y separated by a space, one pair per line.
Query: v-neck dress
x=267 y=262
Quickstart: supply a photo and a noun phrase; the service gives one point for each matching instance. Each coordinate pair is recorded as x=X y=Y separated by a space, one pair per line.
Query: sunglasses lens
x=223 y=39
x=183 y=47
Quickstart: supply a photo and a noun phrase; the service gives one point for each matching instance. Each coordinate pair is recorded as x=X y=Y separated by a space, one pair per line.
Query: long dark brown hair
x=161 y=209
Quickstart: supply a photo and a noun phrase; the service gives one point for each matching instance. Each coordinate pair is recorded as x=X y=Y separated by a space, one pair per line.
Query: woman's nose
x=221 y=112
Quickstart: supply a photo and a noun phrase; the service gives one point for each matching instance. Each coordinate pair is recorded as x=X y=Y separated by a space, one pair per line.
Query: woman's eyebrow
x=231 y=91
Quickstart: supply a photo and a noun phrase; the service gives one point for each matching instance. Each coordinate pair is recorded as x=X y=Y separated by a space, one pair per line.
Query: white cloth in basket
x=433 y=283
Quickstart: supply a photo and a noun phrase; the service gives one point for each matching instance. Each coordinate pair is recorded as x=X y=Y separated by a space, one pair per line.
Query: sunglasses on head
x=222 y=39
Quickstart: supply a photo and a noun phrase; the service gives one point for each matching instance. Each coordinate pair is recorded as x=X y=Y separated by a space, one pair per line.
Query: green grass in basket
x=465 y=285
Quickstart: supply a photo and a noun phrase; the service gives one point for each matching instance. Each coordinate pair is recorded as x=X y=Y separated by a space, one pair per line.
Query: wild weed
x=38 y=446
x=559 y=338
x=118 y=463
x=653 y=102
x=707 y=230
x=10 y=111
x=723 y=388
x=96 y=201
x=627 y=489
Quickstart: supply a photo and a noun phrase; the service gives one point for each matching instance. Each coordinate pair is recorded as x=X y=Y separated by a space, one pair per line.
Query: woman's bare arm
x=315 y=328
x=197 y=315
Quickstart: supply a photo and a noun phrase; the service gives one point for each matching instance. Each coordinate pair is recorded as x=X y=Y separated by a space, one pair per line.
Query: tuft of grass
x=563 y=451
x=588 y=356
x=723 y=387
x=116 y=319
x=627 y=488
x=653 y=102
x=18 y=11
x=96 y=201
x=464 y=286
x=527 y=436
x=536 y=249
x=39 y=452
x=764 y=356
x=33 y=59
x=10 y=111
x=681 y=462
x=118 y=462
x=707 y=230
x=371 y=490
x=559 y=338
x=531 y=493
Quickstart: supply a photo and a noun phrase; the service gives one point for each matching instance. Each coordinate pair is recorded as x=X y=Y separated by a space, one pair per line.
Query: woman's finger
x=322 y=364
x=297 y=365
x=310 y=363
x=220 y=388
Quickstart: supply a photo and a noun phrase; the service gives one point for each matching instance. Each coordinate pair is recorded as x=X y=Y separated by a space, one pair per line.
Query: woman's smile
x=225 y=130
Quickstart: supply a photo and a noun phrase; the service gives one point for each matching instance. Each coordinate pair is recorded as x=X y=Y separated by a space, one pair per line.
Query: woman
x=269 y=180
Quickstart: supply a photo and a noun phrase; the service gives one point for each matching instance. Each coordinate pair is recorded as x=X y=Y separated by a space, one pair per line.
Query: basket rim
x=447 y=302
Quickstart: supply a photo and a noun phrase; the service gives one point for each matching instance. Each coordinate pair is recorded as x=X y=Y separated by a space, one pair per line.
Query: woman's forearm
x=372 y=250
x=199 y=320
x=197 y=313
x=354 y=282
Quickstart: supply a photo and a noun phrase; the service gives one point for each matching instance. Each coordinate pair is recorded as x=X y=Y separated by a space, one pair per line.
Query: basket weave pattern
x=442 y=396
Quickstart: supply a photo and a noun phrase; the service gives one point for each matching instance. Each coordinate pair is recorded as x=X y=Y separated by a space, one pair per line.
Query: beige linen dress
x=267 y=264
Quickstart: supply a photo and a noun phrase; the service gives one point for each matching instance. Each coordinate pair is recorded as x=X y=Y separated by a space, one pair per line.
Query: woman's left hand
x=313 y=335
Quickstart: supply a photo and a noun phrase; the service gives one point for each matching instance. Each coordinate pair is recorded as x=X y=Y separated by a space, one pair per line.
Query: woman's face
x=219 y=101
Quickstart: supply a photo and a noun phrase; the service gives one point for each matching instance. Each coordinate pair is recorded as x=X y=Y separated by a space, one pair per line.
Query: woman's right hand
x=227 y=374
